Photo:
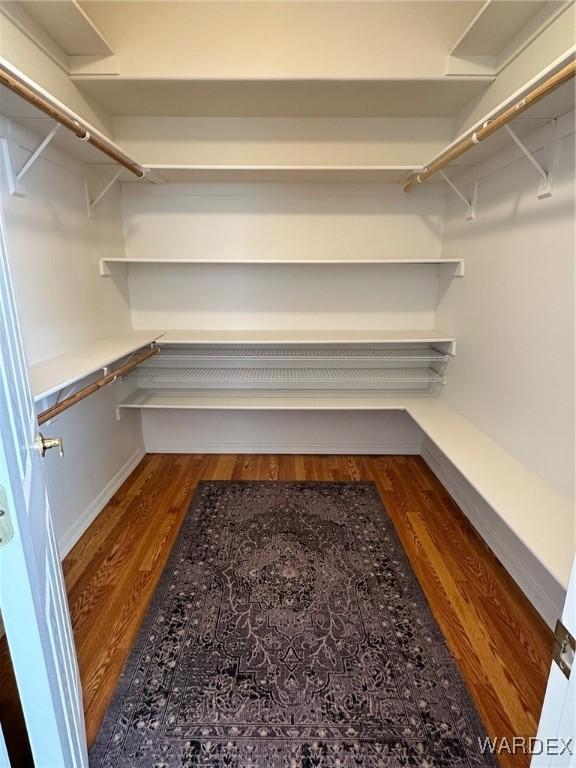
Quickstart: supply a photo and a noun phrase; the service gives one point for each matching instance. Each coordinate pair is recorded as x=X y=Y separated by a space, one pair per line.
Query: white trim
x=544 y=592
x=246 y=447
x=73 y=534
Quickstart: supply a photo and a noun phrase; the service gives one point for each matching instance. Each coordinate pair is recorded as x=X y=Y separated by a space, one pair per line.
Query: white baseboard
x=189 y=445
x=543 y=591
x=74 y=533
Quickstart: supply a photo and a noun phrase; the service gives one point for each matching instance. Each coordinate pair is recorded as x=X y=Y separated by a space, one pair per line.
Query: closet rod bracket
x=470 y=204
x=545 y=186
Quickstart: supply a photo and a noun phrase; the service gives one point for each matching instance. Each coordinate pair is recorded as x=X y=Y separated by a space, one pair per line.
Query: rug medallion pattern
x=288 y=631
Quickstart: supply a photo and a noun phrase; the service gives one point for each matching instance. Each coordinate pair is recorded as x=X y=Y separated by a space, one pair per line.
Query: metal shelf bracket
x=470 y=204
x=11 y=152
x=545 y=186
x=91 y=204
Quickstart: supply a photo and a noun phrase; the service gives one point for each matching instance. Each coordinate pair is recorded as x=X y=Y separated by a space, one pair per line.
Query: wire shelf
x=271 y=378
x=221 y=354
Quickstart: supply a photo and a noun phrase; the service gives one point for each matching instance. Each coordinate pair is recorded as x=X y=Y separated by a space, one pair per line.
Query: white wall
x=53 y=250
x=285 y=221
x=286 y=39
x=513 y=313
x=54 y=255
x=275 y=221
x=394 y=141
x=280 y=432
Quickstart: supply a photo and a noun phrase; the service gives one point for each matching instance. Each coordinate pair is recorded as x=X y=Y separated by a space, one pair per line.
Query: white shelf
x=325 y=378
x=279 y=173
x=331 y=368
x=283 y=97
x=244 y=400
x=56 y=373
x=286 y=336
x=69 y=26
x=496 y=25
x=537 y=515
x=120 y=266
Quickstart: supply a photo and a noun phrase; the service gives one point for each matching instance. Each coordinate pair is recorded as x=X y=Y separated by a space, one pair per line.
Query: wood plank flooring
x=501 y=645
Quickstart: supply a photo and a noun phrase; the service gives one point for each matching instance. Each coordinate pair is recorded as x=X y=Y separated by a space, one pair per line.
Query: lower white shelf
x=262 y=400
x=538 y=515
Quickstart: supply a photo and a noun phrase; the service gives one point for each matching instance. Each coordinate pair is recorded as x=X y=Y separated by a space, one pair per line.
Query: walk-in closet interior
x=333 y=232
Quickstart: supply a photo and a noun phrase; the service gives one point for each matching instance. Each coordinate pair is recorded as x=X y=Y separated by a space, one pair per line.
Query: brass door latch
x=564 y=648
x=46 y=443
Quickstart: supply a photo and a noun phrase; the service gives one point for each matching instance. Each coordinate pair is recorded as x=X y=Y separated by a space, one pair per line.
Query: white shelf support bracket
x=545 y=186
x=470 y=204
x=12 y=152
x=37 y=152
x=91 y=204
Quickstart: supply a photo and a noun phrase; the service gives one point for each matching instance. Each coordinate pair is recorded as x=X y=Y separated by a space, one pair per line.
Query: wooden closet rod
x=68 y=402
x=53 y=111
x=490 y=126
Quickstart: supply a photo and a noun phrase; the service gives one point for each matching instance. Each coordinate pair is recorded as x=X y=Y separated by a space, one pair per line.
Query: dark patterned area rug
x=289 y=631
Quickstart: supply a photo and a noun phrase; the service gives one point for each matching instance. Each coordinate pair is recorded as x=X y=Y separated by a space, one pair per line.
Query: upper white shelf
x=497 y=23
x=291 y=97
x=279 y=173
x=319 y=336
x=54 y=374
x=69 y=26
x=120 y=266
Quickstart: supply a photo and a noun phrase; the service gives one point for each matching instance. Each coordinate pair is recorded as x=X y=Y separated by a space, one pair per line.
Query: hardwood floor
x=502 y=646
